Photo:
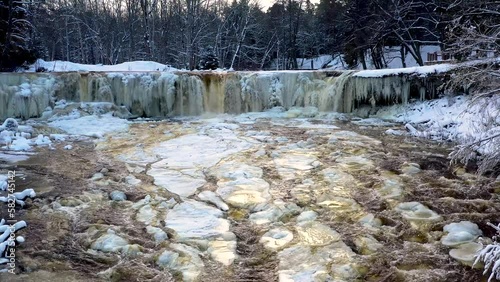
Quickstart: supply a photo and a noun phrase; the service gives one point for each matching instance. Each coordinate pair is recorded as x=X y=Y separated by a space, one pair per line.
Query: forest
x=241 y=35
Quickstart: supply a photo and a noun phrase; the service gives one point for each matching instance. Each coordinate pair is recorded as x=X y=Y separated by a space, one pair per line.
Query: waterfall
x=162 y=94
x=25 y=96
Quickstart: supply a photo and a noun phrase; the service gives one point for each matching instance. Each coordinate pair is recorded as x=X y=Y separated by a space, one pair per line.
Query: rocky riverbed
x=274 y=196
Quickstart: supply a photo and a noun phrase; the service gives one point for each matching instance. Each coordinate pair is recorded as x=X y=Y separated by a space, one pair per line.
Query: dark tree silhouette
x=16 y=46
x=208 y=59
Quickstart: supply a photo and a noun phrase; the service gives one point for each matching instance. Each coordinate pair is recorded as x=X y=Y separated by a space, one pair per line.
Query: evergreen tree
x=16 y=46
x=208 y=59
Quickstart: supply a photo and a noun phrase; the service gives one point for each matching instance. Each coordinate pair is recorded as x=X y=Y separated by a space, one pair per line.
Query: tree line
x=240 y=34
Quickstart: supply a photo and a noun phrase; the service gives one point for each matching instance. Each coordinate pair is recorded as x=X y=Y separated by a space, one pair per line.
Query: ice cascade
x=163 y=94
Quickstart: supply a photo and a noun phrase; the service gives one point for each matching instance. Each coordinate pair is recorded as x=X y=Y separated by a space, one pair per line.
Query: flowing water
x=273 y=196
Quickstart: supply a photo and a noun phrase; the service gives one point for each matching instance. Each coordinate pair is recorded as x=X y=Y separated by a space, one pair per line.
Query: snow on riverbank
x=461 y=119
x=420 y=71
x=62 y=66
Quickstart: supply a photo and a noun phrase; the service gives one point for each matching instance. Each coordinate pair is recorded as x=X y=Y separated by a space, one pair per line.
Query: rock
x=370 y=220
x=56 y=205
x=180 y=183
x=142 y=202
x=313 y=233
x=117 y=196
x=184 y=259
x=276 y=238
x=466 y=226
x=307 y=216
x=411 y=168
x=367 y=244
x=301 y=263
x=184 y=159
x=274 y=212
x=196 y=220
x=167 y=259
x=466 y=253
x=303 y=194
x=244 y=192
x=281 y=139
x=222 y=251
x=339 y=204
x=355 y=163
x=260 y=153
x=391 y=188
x=132 y=180
x=418 y=214
x=97 y=176
x=293 y=163
x=167 y=204
x=337 y=177
x=211 y=197
x=316 y=164
x=344 y=272
x=235 y=170
x=158 y=234
x=109 y=242
x=104 y=171
x=460 y=233
x=146 y=214
x=457 y=238
x=70 y=202
x=132 y=250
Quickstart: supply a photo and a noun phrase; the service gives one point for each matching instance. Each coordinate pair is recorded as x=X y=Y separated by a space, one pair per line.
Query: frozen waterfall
x=162 y=94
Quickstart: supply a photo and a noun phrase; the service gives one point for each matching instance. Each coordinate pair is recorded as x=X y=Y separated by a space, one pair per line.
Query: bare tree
x=474 y=34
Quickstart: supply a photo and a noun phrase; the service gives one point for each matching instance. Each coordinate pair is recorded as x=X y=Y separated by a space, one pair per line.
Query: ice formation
x=155 y=94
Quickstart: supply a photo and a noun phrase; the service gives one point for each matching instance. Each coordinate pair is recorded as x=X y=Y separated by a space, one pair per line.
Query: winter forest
x=241 y=34
x=238 y=140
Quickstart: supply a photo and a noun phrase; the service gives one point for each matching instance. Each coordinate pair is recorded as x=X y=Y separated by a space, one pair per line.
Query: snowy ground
x=460 y=119
x=281 y=195
x=63 y=66
x=391 y=54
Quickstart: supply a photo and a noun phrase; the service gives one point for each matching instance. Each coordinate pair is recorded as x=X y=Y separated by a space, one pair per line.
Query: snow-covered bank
x=392 y=56
x=65 y=66
x=418 y=71
x=460 y=119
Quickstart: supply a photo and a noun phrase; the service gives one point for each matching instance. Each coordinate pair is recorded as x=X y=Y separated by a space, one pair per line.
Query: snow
x=318 y=62
x=42 y=140
x=92 y=125
x=392 y=56
x=20 y=144
x=419 y=71
x=456 y=118
x=9 y=124
x=64 y=66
